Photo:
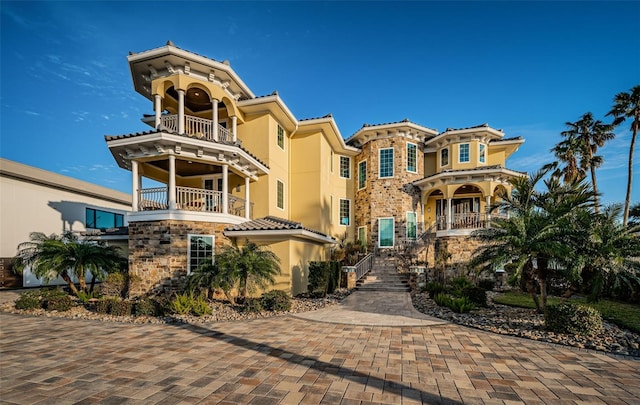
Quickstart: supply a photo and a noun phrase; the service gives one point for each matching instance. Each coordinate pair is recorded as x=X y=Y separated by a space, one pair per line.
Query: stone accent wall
x=391 y=197
x=158 y=252
x=461 y=249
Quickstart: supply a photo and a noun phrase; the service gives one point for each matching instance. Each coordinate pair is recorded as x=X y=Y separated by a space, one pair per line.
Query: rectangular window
x=280 y=137
x=98 y=219
x=362 y=235
x=200 y=251
x=385 y=163
x=280 y=194
x=483 y=153
x=345 y=167
x=412 y=228
x=463 y=156
x=412 y=157
x=362 y=175
x=385 y=232
x=444 y=157
x=345 y=212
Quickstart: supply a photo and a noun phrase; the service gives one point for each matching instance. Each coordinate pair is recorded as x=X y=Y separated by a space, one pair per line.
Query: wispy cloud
x=32 y=113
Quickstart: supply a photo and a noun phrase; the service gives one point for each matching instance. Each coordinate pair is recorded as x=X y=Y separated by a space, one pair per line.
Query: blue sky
x=524 y=67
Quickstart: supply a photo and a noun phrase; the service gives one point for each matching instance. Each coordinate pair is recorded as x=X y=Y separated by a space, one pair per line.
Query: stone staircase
x=384 y=277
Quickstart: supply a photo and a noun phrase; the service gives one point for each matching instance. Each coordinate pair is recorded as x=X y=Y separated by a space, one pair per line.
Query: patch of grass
x=620 y=313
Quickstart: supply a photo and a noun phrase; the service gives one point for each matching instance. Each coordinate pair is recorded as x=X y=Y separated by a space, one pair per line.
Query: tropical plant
x=627 y=105
x=210 y=277
x=251 y=265
x=567 y=151
x=66 y=256
x=587 y=135
x=532 y=240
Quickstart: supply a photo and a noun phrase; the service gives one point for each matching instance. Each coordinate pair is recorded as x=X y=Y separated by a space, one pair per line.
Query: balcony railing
x=469 y=220
x=191 y=199
x=197 y=127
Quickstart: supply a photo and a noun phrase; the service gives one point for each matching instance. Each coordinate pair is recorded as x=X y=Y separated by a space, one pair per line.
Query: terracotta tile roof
x=485 y=125
x=515 y=138
x=133 y=135
x=316 y=118
x=404 y=121
x=271 y=223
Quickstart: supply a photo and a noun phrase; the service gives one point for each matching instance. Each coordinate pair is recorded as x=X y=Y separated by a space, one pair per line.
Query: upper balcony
x=193 y=200
x=195 y=127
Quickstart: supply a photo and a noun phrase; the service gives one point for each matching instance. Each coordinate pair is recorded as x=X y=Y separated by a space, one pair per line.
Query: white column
x=247 y=204
x=488 y=207
x=234 y=128
x=181 y=112
x=214 y=103
x=225 y=189
x=135 y=185
x=172 y=182
x=449 y=211
x=158 y=109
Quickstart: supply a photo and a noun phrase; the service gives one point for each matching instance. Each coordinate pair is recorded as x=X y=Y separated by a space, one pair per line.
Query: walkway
x=289 y=360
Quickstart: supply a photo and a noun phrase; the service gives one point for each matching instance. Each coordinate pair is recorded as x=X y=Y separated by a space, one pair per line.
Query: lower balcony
x=193 y=200
x=464 y=223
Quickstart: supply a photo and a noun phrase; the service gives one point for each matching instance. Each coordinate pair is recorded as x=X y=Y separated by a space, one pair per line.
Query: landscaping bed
x=527 y=323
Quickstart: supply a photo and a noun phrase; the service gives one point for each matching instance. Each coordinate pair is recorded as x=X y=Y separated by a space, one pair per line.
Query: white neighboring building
x=35 y=200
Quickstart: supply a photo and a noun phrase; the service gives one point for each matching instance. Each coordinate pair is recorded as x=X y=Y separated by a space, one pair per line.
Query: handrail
x=364 y=266
x=200 y=128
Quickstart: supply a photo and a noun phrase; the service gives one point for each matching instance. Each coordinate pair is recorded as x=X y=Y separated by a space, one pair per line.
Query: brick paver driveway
x=292 y=360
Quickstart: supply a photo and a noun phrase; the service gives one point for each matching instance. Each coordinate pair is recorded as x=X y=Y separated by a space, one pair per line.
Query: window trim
x=340 y=201
x=278 y=182
x=348 y=160
x=393 y=233
x=448 y=157
x=331 y=209
x=280 y=136
x=460 y=152
x=415 y=224
x=365 y=174
x=213 y=248
x=482 y=153
x=392 y=163
x=415 y=158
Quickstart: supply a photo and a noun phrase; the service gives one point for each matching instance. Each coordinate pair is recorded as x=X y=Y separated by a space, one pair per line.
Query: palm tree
x=627 y=105
x=533 y=238
x=211 y=277
x=568 y=152
x=251 y=265
x=590 y=134
x=66 y=256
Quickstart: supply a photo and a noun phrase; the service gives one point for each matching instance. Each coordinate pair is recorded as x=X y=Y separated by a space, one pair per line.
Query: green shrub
x=119 y=307
x=114 y=285
x=29 y=300
x=476 y=295
x=457 y=284
x=335 y=272
x=145 y=307
x=442 y=299
x=103 y=305
x=460 y=305
x=58 y=302
x=487 y=284
x=572 y=319
x=200 y=306
x=84 y=297
x=318 y=278
x=252 y=305
x=181 y=304
x=276 y=300
x=434 y=288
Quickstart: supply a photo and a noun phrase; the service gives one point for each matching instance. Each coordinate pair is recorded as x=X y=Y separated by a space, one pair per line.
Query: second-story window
x=280 y=194
x=385 y=163
x=345 y=212
x=463 y=156
x=345 y=167
x=362 y=175
x=483 y=153
x=412 y=158
x=280 y=137
x=444 y=157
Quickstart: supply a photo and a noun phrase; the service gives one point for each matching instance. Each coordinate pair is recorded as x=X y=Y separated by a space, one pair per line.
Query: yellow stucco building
x=223 y=163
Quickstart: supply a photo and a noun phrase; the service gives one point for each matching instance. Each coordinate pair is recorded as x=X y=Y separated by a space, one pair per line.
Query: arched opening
x=466 y=210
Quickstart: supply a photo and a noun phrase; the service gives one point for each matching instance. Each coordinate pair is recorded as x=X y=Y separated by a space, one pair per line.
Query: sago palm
x=66 y=256
x=627 y=105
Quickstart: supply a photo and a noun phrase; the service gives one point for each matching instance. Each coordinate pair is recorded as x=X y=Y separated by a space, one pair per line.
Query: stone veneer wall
x=391 y=197
x=158 y=252
x=461 y=249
